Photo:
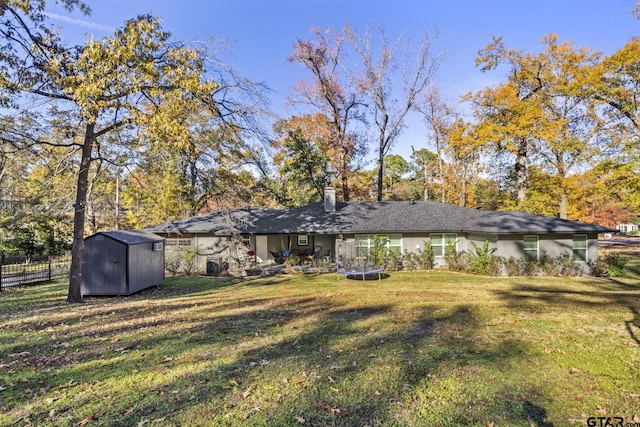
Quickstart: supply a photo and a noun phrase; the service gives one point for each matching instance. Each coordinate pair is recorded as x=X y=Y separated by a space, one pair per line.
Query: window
x=177 y=241
x=443 y=243
x=580 y=247
x=303 y=240
x=157 y=246
x=366 y=243
x=530 y=248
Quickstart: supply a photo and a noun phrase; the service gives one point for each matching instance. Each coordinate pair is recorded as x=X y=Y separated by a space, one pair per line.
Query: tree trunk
x=426 y=180
x=345 y=189
x=344 y=166
x=443 y=192
x=521 y=170
x=77 y=251
x=380 y=173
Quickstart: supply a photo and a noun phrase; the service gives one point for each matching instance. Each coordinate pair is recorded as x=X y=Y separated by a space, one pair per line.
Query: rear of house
x=329 y=231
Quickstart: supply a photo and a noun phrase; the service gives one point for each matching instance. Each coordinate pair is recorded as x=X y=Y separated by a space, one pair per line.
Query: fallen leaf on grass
x=335 y=390
x=87 y=420
x=254 y=373
x=300 y=420
x=69 y=384
x=377 y=393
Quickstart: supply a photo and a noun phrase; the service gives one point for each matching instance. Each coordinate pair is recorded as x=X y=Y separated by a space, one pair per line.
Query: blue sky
x=261 y=32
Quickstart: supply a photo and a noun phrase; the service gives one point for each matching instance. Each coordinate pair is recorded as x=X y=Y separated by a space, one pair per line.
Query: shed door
x=104 y=267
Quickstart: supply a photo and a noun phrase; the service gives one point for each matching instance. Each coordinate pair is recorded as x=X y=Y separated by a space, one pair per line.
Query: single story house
x=331 y=230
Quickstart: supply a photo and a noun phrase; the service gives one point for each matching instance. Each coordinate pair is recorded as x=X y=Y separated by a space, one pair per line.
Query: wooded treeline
x=138 y=128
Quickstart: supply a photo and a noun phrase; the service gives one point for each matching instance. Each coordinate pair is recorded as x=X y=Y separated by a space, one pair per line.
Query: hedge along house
x=335 y=231
x=121 y=262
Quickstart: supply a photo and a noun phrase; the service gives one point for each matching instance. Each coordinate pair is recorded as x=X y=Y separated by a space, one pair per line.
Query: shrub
x=172 y=263
x=616 y=264
x=456 y=260
x=189 y=260
x=409 y=261
x=424 y=257
x=479 y=261
x=291 y=260
x=515 y=266
x=181 y=261
x=546 y=265
x=379 y=251
x=392 y=261
x=598 y=269
x=565 y=265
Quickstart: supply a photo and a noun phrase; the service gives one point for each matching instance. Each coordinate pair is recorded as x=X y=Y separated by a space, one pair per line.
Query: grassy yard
x=414 y=349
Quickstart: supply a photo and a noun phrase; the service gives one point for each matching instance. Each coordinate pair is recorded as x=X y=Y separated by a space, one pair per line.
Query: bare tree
x=439 y=117
x=331 y=94
x=380 y=61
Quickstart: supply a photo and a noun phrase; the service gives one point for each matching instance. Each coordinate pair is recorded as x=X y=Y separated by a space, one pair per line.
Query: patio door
x=262 y=249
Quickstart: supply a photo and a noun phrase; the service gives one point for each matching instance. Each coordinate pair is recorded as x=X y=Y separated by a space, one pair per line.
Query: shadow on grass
x=634 y=333
x=611 y=296
x=272 y=360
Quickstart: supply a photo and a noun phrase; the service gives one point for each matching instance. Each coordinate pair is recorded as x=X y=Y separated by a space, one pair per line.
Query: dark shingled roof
x=216 y=223
x=376 y=217
x=504 y=222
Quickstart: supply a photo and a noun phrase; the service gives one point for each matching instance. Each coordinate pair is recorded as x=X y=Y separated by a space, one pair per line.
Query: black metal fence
x=30 y=272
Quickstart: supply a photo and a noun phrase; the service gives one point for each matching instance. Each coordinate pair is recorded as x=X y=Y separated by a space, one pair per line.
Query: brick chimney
x=329 y=199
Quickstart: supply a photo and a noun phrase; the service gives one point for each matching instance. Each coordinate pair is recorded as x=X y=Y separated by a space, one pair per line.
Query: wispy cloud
x=80 y=22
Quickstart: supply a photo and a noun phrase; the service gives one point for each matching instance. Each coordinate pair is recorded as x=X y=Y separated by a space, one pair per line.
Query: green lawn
x=413 y=349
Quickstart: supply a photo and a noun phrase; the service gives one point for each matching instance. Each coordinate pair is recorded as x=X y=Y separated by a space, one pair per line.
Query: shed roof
x=130 y=237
